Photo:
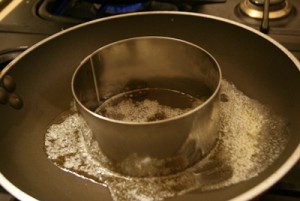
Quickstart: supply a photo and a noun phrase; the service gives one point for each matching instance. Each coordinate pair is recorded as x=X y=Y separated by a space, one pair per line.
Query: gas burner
x=120 y=8
x=78 y=11
x=255 y=8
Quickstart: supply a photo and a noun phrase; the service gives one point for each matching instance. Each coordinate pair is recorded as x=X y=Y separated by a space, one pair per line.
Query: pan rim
x=183 y=13
x=250 y=193
x=14 y=190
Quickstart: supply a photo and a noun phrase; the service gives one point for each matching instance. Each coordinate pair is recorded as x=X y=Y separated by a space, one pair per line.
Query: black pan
x=258 y=65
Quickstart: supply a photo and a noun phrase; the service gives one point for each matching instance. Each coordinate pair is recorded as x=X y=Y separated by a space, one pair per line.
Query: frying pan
x=256 y=64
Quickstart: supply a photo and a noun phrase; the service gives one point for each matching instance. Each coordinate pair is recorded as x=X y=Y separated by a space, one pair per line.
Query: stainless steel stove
x=26 y=22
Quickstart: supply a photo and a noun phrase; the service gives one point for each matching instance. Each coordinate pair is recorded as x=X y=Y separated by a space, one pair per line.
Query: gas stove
x=26 y=22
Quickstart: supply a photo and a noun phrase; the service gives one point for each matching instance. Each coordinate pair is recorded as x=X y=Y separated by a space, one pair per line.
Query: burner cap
x=277 y=9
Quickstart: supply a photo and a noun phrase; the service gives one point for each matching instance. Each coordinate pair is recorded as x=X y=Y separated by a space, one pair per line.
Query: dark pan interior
x=43 y=75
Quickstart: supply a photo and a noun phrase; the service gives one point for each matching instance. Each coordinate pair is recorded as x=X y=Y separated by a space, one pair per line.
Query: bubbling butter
x=251 y=137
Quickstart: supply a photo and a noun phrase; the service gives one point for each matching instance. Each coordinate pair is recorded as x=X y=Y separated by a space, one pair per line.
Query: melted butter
x=150 y=104
x=251 y=138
